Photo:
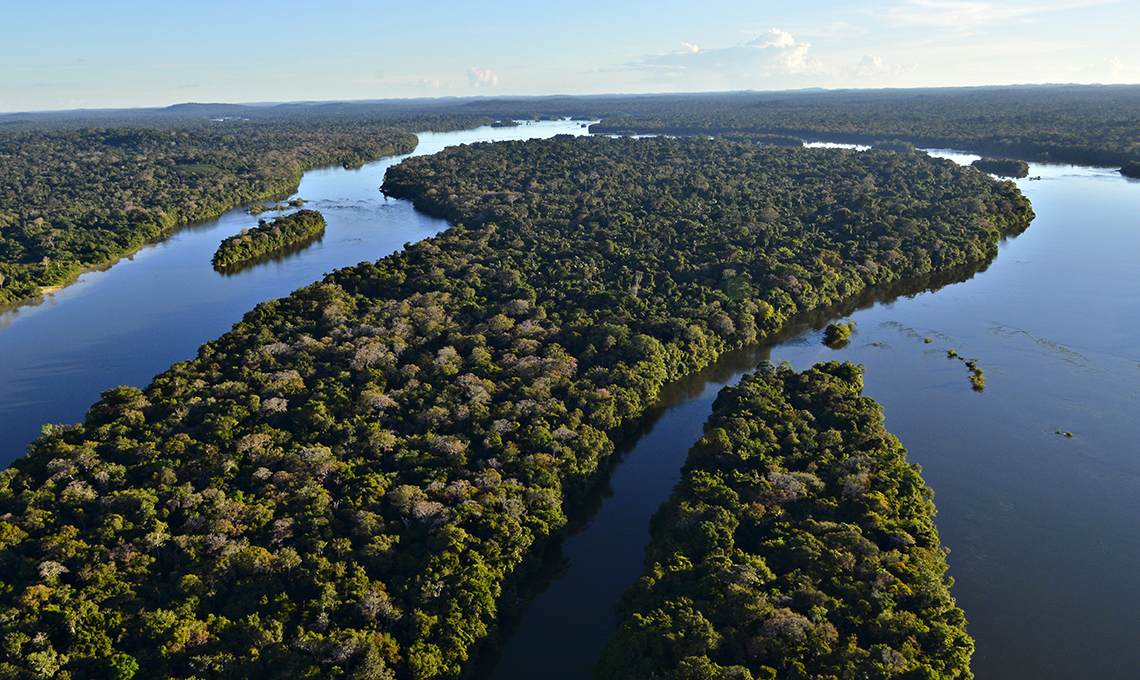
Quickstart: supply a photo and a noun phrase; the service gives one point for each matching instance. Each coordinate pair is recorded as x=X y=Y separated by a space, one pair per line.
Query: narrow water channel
x=1042 y=527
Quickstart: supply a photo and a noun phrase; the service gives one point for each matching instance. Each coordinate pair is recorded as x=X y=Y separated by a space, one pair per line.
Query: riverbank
x=104 y=193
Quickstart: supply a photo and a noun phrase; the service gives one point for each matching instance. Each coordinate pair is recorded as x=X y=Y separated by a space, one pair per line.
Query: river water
x=1044 y=528
x=125 y=325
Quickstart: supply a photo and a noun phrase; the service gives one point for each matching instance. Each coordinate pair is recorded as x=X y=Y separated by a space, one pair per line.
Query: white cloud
x=776 y=38
x=1119 y=71
x=480 y=77
x=430 y=83
x=767 y=61
x=871 y=67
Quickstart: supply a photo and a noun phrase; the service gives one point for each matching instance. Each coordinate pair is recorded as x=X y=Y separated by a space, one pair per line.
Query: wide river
x=1044 y=528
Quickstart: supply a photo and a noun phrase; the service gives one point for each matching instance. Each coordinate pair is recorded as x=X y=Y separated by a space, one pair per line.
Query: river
x=124 y=325
x=1042 y=526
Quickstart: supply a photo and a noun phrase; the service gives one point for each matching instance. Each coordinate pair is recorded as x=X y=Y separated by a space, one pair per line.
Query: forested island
x=1131 y=170
x=74 y=196
x=79 y=189
x=1003 y=167
x=799 y=544
x=269 y=237
x=352 y=481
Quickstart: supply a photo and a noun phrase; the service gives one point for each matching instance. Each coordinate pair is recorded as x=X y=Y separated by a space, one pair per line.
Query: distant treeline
x=1080 y=124
x=76 y=198
x=268 y=237
x=352 y=482
x=799 y=544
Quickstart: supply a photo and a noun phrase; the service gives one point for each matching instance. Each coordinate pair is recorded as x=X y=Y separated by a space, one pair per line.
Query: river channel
x=1043 y=528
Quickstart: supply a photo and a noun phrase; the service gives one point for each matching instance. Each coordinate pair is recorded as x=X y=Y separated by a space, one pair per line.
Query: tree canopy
x=351 y=482
x=76 y=197
x=269 y=237
x=798 y=544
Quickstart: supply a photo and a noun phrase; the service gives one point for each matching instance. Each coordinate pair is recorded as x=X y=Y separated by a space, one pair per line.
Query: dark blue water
x=1043 y=528
x=125 y=325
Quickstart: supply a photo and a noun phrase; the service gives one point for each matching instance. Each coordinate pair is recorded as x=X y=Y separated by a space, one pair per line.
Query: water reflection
x=564 y=612
x=1042 y=527
x=129 y=322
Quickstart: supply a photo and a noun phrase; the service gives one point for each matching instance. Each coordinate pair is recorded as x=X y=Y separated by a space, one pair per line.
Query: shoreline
x=47 y=291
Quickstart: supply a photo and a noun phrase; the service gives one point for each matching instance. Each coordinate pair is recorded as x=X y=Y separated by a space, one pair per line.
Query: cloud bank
x=481 y=77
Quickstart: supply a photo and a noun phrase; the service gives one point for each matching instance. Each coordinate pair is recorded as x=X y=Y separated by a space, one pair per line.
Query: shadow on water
x=558 y=617
x=8 y=310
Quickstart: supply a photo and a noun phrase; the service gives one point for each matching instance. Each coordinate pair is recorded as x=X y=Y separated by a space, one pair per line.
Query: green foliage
x=896 y=145
x=837 y=333
x=351 y=480
x=1075 y=124
x=1131 y=170
x=72 y=199
x=1003 y=167
x=289 y=230
x=799 y=544
x=977 y=375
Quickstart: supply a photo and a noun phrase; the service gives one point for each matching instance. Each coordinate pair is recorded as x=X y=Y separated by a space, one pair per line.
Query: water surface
x=1043 y=527
x=126 y=324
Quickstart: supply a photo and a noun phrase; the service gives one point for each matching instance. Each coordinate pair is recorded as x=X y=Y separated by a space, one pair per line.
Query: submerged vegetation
x=268 y=237
x=798 y=544
x=977 y=375
x=350 y=481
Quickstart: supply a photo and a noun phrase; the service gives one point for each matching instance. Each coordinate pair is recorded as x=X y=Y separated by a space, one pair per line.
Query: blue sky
x=61 y=54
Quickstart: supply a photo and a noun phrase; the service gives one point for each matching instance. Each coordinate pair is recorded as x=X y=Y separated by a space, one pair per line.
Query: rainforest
x=353 y=480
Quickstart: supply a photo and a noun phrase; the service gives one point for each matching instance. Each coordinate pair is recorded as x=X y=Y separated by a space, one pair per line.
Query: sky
x=65 y=54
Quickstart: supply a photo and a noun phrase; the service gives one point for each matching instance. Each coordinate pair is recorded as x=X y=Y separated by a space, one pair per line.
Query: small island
x=896 y=145
x=1003 y=167
x=269 y=237
x=837 y=334
x=1131 y=170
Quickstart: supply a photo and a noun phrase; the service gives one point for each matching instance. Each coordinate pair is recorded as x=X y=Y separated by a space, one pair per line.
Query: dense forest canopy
x=799 y=544
x=1091 y=125
x=75 y=198
x=79 y=188
x=350 y=483
x=1003 y=167
x=268 y=237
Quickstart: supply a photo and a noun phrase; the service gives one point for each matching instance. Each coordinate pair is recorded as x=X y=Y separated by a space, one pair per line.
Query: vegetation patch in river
x=837 y=334
x=354 y=478
x=266 y=238
x=1003 y=167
